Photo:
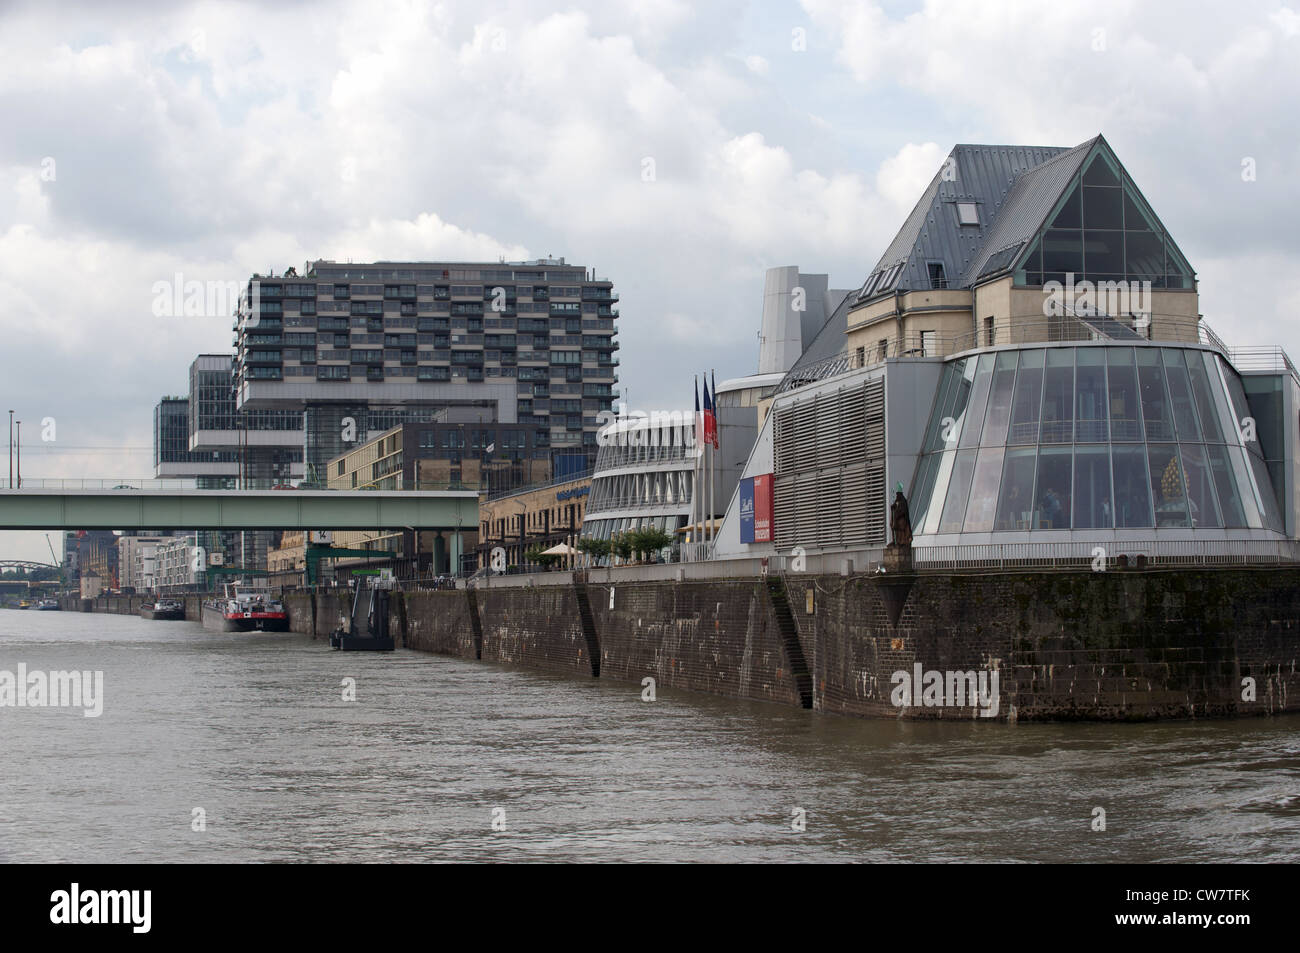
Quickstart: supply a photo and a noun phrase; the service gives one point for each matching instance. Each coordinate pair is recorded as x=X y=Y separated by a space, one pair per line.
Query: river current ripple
x=440 y=759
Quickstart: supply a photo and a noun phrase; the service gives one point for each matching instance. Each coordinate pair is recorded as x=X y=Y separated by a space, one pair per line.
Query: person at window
x=1052 y=508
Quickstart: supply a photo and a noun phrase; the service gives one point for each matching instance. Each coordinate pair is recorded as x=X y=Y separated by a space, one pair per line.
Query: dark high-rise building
x=357 y=349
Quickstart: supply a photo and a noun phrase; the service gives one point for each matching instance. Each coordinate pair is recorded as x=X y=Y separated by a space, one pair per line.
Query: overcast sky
x=141 y=140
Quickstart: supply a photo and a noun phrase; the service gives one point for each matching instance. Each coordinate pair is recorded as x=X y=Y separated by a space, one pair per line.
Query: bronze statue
x=900 y=519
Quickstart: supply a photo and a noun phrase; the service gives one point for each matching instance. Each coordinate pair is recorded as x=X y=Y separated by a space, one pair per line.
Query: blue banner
x=747 y=510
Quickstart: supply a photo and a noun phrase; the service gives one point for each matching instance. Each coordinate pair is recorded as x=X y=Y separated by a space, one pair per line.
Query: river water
x=443 y=759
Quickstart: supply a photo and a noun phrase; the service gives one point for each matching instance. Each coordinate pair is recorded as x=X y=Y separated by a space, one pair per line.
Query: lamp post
x=20 y=454
x=523 y=508
x=11 y=449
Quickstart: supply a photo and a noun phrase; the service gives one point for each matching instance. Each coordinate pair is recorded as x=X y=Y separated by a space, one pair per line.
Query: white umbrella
x=560 y=549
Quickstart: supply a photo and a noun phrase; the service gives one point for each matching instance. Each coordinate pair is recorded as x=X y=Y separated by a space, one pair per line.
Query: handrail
x=515 y=491
x=190 y=485
x=1021 y=329
x=1074 y=555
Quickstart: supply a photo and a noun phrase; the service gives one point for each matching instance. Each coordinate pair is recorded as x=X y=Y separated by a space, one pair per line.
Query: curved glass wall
x=1090 y=437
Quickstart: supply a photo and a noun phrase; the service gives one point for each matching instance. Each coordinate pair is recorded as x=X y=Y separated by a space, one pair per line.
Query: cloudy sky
x=146 y=139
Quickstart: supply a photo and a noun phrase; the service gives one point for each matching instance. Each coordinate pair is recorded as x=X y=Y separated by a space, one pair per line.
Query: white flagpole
x=713 y=465
x=697 y=505
x=695 y=472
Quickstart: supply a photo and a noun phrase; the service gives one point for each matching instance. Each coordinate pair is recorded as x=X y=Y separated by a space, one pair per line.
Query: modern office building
x=356 y=349
x=487 y=456
x=1028 y=361
x=492 y=457
x=180 y=565
x=254 y=448
x=327 y=361
x=137 y=561
x=644 y=476
x=204 y=437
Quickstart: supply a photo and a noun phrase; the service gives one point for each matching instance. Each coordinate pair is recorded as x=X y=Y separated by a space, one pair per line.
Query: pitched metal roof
x=828 y=349
x=1028 y=203
x=1008 y=185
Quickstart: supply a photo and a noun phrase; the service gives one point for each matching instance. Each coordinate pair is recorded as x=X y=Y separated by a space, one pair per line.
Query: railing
x=1084 y=555
x=1263 y=359
x=1207 y=336
x=695 y=552
x=164 y=485
x=118 y=483
x=512 y=491
x=612 y=504
x=1174 y=329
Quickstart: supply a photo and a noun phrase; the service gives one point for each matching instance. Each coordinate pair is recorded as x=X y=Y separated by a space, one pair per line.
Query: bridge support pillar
x=455 y=548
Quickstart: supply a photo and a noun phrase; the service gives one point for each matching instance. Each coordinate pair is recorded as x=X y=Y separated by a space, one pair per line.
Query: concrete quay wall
x=1115 y=645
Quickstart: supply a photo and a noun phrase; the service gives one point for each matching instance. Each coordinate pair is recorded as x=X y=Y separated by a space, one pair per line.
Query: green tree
x=595 y=548
x=649 y=540
x=621 y=545
x=541 y=558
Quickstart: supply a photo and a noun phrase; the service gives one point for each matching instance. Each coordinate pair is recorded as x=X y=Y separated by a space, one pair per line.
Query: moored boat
x=163 y=609
x=48 y=605
x=245 y=610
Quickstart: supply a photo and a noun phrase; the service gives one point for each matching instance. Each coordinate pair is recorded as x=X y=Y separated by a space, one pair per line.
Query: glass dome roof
x=1093 y=436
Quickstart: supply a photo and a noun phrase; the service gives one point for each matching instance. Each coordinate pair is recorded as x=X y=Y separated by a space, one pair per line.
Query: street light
x=523 y=508
x=20 y=454
x=11 y=449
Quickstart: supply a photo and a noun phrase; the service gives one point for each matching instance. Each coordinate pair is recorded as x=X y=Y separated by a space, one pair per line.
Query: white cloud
x=186 y=141
x=1287 y=20
x=904 y=176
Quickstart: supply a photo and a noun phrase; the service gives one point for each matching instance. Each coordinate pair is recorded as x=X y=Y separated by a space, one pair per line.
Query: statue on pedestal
x=900 y=519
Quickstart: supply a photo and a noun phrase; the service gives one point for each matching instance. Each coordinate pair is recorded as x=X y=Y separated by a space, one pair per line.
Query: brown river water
x=439 y=759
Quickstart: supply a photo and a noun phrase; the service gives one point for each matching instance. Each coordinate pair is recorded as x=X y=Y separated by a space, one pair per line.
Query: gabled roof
x=980 y=174
x=1028 y=203
x=1013 y=190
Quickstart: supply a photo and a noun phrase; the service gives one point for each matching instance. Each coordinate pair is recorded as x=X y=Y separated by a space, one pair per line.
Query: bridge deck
x=50 y=509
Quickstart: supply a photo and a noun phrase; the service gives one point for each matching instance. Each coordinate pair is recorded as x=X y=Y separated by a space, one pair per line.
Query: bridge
x=130 y=508
x=24 y=565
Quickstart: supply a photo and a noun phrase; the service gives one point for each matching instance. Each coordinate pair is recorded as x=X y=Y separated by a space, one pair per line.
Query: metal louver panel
x=829 y=460
x=874 y=397
x=853 y=408
x=804 y=435
x=829 y=513
x=787 y=531
x=876 y=491
x=853 y=504
x=782 y=457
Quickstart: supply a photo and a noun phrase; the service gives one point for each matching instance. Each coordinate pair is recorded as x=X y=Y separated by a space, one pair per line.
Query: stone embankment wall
x=1116 y=645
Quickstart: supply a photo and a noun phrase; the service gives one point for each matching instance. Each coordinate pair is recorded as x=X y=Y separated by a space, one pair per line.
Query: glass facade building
x=1102 y=436
x=644 y=477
